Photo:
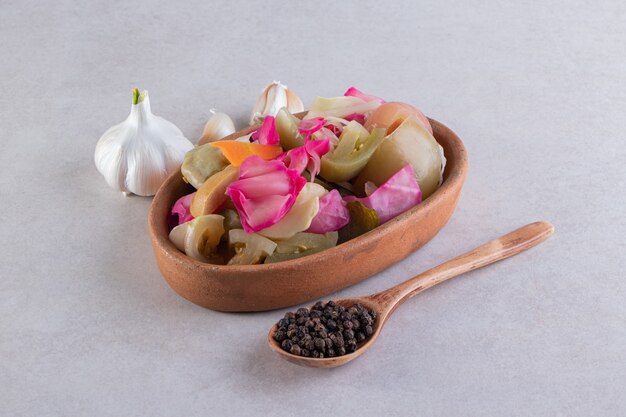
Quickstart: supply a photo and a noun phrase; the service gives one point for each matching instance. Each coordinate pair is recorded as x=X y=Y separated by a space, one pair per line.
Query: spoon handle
x=503 y=247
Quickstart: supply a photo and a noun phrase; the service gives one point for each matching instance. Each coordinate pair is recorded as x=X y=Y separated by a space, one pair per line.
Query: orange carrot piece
x=237 y=152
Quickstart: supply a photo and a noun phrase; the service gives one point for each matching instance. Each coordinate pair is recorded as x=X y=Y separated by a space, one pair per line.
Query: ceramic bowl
x=282 y=284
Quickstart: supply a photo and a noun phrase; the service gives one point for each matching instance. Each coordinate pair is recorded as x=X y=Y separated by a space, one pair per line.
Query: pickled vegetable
x=409 y=143
x=250 y=248
x=211 y=195
x=287 y=126
x=300 y=215
x=236 y=152
x=202 y=162
x=303 y=241
x=231 y=221
x=356 y=147
x=302 y=244
x=339 y=107
x=362 y=220
x=199 y=238
x=391 y=115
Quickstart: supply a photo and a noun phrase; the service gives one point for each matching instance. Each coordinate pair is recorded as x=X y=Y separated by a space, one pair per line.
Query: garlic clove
x=217 y=127
x=137 y=155
x=274 y=97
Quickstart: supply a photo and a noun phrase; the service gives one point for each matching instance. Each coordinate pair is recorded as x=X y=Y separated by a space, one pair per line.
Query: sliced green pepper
x=356 y=146
x=302 y=244
x=202 y=162
x=409 y=143
x=287 y=126
x=362 y=220
x=249 y=248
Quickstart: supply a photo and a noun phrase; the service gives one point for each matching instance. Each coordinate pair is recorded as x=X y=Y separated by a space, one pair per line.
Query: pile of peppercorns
x=325 y=331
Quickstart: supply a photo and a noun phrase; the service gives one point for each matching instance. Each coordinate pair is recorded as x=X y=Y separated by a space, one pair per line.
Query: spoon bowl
x=386 y=302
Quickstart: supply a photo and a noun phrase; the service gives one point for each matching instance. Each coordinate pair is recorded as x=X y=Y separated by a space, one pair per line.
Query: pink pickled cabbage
x=332 y=215
x=398 y=194
x=358 y=117
x=180 y=212
x=355 y=92
x=307 y=156
x=309 y=126
x=267 y=133
x=264 y=192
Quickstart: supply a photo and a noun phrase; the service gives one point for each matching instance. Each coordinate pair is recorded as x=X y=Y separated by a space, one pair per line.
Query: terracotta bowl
x=277 y=285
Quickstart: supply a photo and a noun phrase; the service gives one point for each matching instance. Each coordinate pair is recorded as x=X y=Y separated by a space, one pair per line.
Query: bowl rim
x=454 y=173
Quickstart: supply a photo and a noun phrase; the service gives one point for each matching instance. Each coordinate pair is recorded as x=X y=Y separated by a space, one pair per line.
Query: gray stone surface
x=89 y=328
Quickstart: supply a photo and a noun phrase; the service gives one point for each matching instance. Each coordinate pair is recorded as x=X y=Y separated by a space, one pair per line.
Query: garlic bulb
x=274 y=97
x=137 y=155
x=217 y=127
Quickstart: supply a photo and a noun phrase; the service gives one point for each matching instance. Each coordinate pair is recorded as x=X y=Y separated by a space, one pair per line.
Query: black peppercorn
x=280 y=336
x=309 y=344
x=351 y=345
x=286 y=345
x=326 y=330
x=295 y=350
x=328 y=342
x=337 y=341
x=319 y=343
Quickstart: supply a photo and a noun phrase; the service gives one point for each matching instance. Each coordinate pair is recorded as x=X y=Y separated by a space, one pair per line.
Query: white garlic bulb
x=217 y=127
x=273 y=98
x=137 y=155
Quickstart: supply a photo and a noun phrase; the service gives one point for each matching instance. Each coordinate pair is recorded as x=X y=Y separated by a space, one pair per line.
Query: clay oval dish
x=272 y=286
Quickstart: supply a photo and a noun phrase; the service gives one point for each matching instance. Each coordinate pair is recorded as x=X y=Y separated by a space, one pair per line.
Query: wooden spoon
x=384 y=303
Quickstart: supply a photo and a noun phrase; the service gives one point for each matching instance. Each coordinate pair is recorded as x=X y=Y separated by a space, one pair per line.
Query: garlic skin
x=274 y=97
x=137 y=155
x=217 y=127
